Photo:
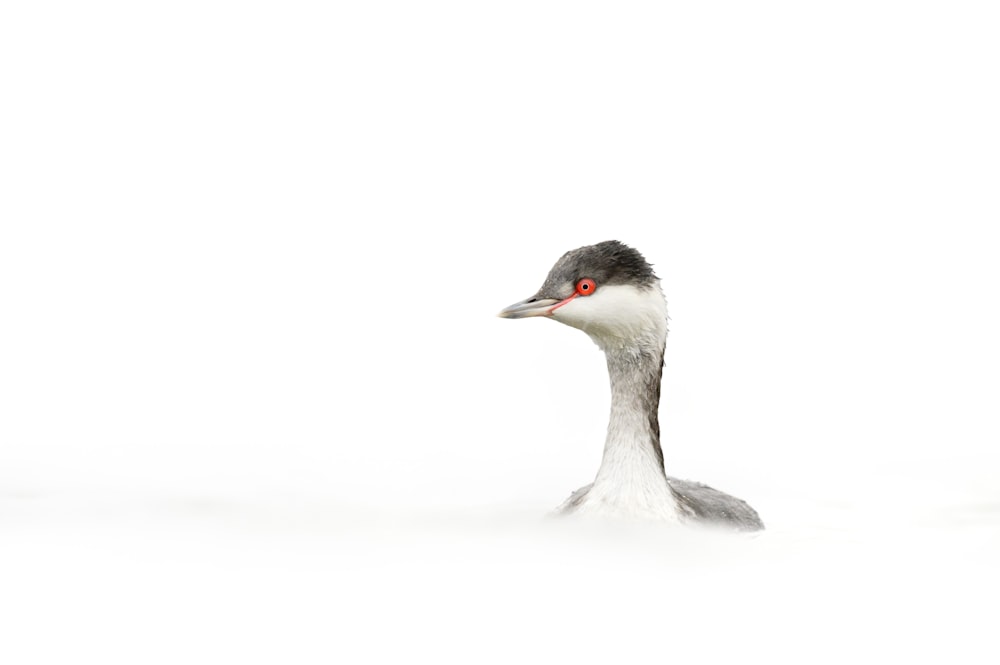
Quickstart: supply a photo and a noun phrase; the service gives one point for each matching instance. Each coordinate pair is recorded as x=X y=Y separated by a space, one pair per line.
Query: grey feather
x=608 y=262
x=710 y=506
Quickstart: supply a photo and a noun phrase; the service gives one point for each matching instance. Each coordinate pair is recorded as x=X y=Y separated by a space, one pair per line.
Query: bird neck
x=632 y=453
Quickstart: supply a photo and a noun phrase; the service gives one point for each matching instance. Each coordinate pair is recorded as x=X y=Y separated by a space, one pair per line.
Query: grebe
x=610 y=292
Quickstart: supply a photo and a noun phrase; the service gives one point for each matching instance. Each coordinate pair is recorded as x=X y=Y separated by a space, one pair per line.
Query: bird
x=610 y=292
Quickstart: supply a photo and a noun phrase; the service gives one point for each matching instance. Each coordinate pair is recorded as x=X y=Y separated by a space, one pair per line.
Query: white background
x=256 y=406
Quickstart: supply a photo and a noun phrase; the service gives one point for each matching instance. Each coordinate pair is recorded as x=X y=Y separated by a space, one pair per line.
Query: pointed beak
x=529 y=307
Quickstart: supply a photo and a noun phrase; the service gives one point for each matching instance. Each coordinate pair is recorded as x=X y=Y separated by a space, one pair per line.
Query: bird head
x=607 y=290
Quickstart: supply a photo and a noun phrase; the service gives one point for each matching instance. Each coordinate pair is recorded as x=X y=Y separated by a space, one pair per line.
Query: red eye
x=585 y=287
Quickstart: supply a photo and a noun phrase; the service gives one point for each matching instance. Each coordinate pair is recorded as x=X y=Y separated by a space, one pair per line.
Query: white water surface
x=255 y=404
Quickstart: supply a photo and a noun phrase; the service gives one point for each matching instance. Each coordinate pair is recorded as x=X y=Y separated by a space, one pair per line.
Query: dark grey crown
x=608 y=262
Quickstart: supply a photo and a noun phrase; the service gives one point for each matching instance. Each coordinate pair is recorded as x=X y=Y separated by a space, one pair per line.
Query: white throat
x=630 y=325
x=619 y=317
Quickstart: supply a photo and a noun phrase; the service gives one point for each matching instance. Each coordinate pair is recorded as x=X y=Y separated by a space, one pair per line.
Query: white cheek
x=616 y=314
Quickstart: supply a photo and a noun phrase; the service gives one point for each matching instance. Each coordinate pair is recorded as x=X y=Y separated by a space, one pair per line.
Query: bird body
x=610 y=292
